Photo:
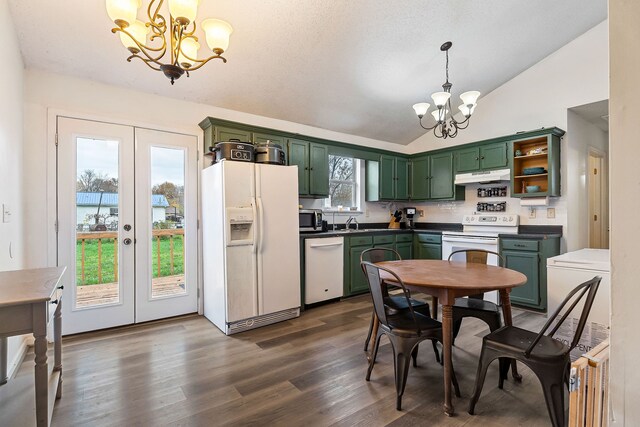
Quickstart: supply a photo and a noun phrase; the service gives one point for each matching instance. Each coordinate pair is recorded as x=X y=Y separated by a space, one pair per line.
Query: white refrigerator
x=251 y=245
x=565 y=272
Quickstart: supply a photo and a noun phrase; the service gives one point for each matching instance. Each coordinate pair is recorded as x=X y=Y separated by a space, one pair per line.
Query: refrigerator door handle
x=255 y=219
x=261 y=224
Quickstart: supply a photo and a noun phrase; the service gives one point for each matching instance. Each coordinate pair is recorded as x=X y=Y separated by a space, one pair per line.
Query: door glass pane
x=167 y=213
x=96 y=223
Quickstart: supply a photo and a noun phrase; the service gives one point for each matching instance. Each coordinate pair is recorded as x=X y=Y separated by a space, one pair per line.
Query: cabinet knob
x=482 y=157
x=55 y=301
x=61 y=287
x=476 y=158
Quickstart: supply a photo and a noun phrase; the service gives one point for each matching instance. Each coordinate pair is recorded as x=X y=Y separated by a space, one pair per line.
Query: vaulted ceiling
x=351 y=66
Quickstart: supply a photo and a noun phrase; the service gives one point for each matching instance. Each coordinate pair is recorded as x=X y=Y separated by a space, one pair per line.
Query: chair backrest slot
x=477 y=256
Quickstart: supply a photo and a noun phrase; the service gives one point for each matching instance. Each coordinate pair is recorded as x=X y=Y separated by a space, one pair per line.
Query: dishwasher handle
x=324 y=245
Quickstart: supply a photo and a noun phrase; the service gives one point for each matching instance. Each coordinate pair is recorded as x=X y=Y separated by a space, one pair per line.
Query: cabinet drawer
x=400 y=238
x=360 y=241
x=429 y=238
x=520 y=245
x=383 y=239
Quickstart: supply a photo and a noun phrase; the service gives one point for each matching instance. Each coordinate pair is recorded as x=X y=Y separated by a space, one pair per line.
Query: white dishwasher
x=323 y=269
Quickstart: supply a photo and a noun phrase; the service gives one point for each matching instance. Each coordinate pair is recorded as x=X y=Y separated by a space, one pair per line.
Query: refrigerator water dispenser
x=240 y=226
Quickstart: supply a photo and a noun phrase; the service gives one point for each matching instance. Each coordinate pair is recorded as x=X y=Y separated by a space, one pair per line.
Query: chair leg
x=454 y=380
x=366 y=342
x=374 y=354
x=402 y=350
x=553 y=390
x=435 y=350
x=457 y=323
x=414 y=356
x=486 y=357
x=505 y=363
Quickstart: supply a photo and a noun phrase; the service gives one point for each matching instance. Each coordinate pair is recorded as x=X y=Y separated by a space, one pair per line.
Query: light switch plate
x=551 y=212
x=6 y=213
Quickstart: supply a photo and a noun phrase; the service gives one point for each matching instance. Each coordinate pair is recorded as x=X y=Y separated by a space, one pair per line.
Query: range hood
x=483 y=177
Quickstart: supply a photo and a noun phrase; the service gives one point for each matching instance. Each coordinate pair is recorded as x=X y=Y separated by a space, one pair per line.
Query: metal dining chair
x=394 y=303
x=475 y=305
x=547 y=357
x=406 y=329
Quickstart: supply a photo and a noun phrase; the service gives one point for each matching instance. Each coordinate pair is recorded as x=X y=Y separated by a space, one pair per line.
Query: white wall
x=624 y=151
x=11 y=153
x=576 y=74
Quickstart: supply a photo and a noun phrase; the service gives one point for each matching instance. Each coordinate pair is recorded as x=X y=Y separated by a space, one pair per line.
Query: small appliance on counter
x=270 y=153
x=310 y=221
x=409 y=213
x=232 y=150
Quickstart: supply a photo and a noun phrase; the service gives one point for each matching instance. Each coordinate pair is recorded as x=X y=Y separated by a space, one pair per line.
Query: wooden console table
x=29 y=299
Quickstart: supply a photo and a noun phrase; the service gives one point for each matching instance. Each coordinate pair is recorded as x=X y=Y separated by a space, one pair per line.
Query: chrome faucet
x=349 y=221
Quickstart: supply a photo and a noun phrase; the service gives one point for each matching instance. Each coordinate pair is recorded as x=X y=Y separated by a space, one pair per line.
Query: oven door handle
x=471 y=239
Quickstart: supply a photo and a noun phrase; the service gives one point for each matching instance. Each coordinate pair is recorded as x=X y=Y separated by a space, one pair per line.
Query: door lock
x=127 y=227
x=127 y=241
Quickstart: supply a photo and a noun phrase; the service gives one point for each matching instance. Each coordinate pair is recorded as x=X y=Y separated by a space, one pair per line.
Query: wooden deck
x=107 y=293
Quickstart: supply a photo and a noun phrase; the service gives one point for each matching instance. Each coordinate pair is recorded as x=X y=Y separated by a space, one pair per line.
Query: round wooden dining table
x=447 y=280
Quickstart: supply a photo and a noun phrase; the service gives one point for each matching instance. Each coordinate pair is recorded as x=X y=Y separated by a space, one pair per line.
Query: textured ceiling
x=351 y=66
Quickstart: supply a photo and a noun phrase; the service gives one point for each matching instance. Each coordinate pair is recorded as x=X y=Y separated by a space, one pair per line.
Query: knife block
x=393 y=223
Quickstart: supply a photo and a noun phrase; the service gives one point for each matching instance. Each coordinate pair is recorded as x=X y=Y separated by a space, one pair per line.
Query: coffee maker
x=409 y=213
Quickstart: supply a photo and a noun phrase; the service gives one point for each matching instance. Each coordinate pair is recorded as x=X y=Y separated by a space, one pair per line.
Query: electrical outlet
x=551 y=212
x=420 y=213
x=532 y=213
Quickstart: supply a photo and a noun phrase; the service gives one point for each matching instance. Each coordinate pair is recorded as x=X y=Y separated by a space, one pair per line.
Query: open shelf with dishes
x=536 y=166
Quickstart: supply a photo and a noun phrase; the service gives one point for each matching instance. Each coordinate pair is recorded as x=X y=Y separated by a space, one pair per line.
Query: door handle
x=127 y=241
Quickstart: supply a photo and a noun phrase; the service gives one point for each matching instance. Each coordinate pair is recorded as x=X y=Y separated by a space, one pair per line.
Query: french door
x=127 y=223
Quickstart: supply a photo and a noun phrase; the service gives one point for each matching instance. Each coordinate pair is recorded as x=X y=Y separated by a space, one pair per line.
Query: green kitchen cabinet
x=420 y=178
x=313 y=167
x=227 y=134
x=354 y=280
x=481 y=157
x=264 y=137
x=527 y=263
x=404 y=245
x=441 y=176
x=529 y=256
x=427 y=246
x=539 y=151
x=387 y=179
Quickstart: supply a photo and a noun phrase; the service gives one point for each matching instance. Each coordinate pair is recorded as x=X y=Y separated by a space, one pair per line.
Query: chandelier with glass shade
x=446 y=125
x=168 y=45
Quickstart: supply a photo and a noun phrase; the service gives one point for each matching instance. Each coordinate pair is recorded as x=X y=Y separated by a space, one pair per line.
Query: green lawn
x=91 y=260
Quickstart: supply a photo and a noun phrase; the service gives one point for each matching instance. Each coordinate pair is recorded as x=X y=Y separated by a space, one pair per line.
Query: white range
x=480 y=231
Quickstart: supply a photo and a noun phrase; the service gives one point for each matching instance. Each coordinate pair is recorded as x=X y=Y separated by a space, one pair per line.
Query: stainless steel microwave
x=310 y=220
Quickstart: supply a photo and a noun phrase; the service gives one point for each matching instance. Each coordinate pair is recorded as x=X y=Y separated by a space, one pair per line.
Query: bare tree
x=340 y=169
x=91 y=181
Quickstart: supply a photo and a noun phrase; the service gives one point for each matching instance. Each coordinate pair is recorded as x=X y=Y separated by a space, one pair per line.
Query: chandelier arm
x=201 y=62
x=152 y=18
x=146 y=61
x=186 y=33
x=453 y=134
x=144 y=48
x=427 y=128
x=435 y=131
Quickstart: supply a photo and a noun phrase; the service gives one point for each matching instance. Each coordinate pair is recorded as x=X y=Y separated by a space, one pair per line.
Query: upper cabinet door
x=441 y=182
x=420 y=179
x=299 y=156
x=493 y=156
x=468 y=159
x=318 y=170
x=227 y=134
x=387 y=178
x=402 y=179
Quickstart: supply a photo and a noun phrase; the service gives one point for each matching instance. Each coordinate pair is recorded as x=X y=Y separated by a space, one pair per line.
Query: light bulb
x=466 y=111
x=470 y=98
x=440 y=98
x=439 y=115
x=421 y=108
x=189 y=47
x=139 y=32
x=217 y=32
x=184 y=10
x=123 y=10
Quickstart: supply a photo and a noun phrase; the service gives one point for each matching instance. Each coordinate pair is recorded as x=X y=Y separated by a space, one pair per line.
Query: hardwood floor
x=308 y=371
